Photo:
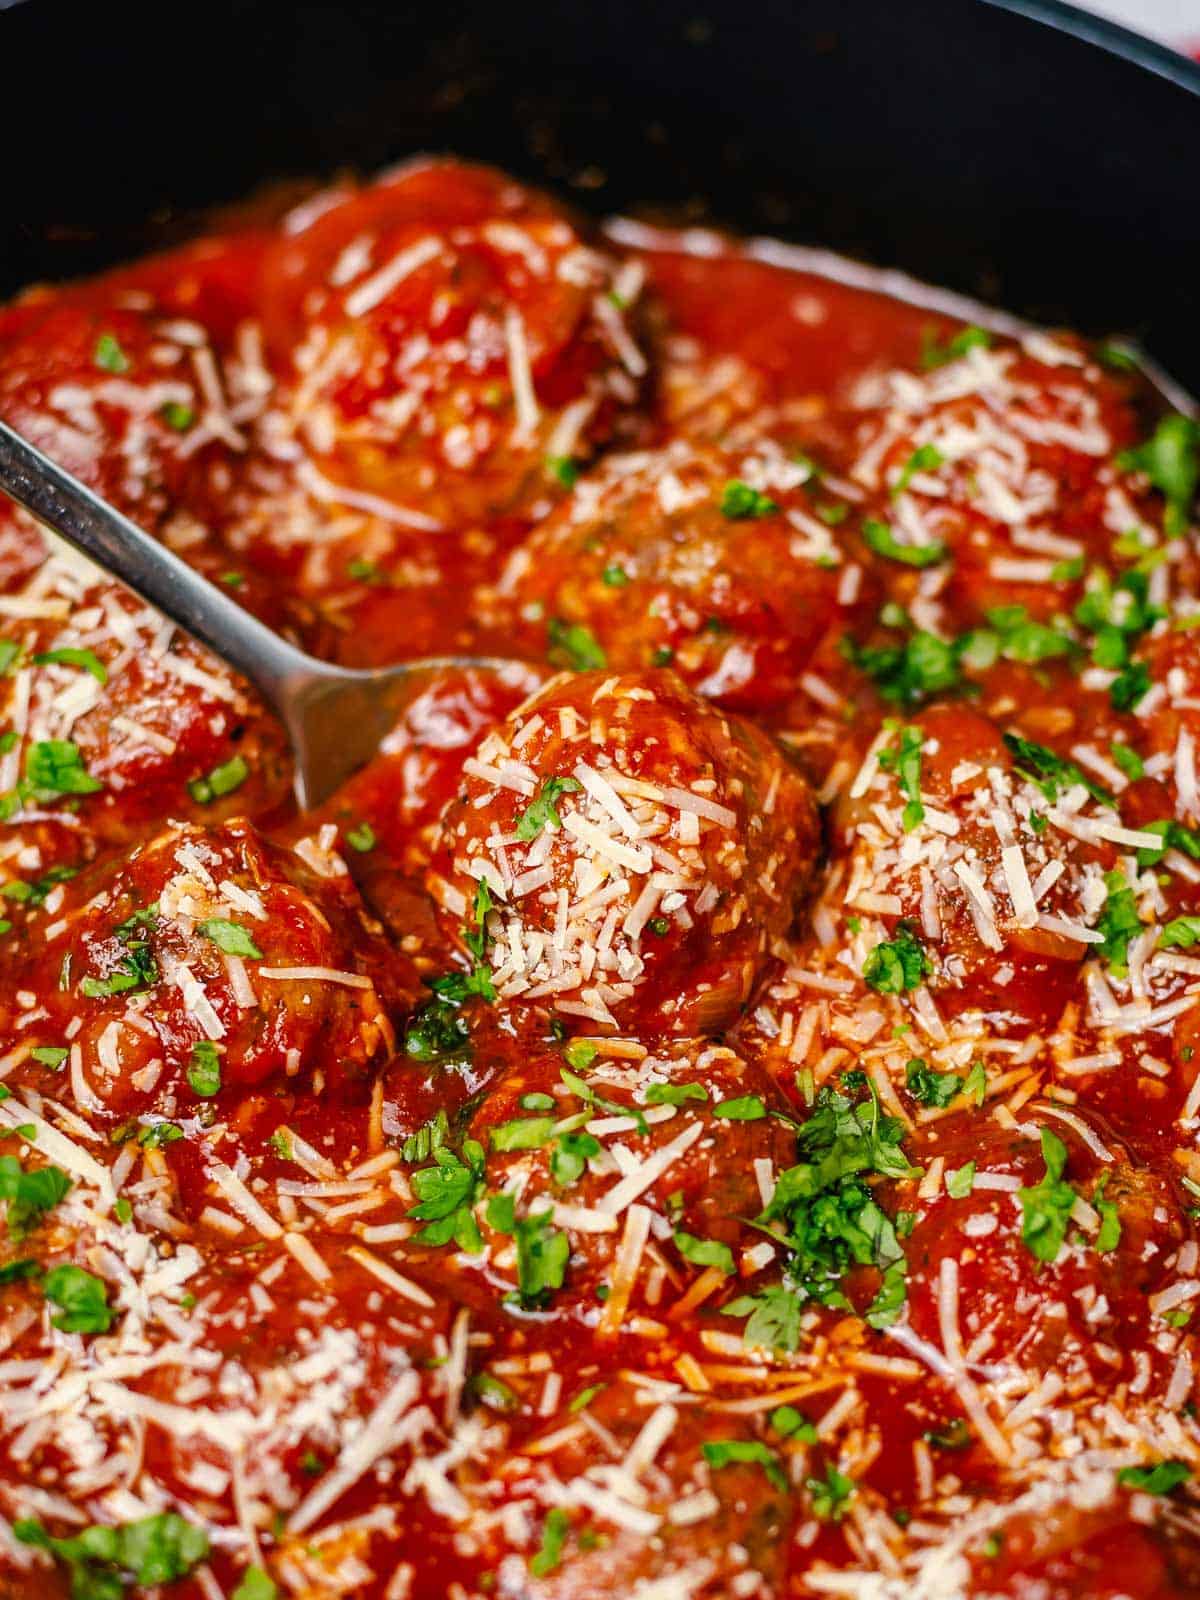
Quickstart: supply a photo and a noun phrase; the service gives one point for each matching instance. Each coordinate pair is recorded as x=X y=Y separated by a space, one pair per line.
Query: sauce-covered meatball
x=208 y=959
x=448 y=332
x=993 y=474
x=118 y=719
x=619 y=852
x=717 y=562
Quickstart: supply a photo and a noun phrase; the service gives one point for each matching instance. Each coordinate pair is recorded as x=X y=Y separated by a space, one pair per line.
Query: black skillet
x=1019 y=151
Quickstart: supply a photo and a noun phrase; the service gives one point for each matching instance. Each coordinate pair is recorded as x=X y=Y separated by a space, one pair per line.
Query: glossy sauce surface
x=709 y=1112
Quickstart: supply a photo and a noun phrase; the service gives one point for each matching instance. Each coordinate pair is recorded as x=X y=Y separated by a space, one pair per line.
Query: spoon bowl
x=335 y=717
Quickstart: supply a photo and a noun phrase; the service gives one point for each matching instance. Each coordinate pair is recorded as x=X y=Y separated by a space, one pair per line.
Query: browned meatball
x=207 y=958
x=1002 y=459
x=623 y=854
x=447 y=331
x=1049 y=1244
x=715 y=561
x=701 y=1518
x=978 y=863
x=564 y=1133
x=114 y=719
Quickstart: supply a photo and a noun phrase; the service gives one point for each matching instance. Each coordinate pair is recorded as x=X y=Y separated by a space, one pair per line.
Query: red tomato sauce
x=709 y=1112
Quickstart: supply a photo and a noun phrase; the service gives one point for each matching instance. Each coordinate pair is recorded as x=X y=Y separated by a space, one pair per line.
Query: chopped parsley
x=1130 y=763
x=746 y=1108
x=85 y=660
x=541 y=812
x=82 y=1299
x=101 y=1561
x=447 y=1193
x=1046 y=1206
x=936 y=354
x=960 y=1183
x=439 y=1029
x=589 y=1096
x=1181 y=933
x=1015 y=635
x=908 y=673
x=573 y=645
x=930 y=1088
x=364 y=571
x=137 y=969
x=898 y=964
x=741 y=503
x=177 y=416
x=704 y=1252
x=1049 y=772
x=570 y=1156
x=831 y=1495
x=256 y=1585
x=429 y=1137
x=789 y=1423
x=36 y=892
x=746 y=1452
x=1158 y=1479
x=925 y=458
x=362 y=838
x=222 y=780
x=108 y=355
x=880 y=538
x=542 y=1251
x=204 y=1069
x=830 y=1220
x=564 y=469
x=614 y=576
x=157 y=1134
x=494 y=1393
x=1109 y=1235
x=29 y=1195
x=54 y=767
x=1170 y=458
x=1174 y=836
x=905 y=762
x=1117 y=614
x=773 y=1317
x=1119 y=923
x=50 y=1055
x=1129 y=686
x=523 y=1133
x=956 y=1435
x=554 y=1536
x=674 y=1094
x=230 y=937
x=20 y=1271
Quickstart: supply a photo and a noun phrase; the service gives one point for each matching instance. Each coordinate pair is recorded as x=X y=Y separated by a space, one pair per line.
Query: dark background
x=963 y=142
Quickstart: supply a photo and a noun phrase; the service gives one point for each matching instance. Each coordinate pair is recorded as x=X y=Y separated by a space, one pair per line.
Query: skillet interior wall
x=967 y=145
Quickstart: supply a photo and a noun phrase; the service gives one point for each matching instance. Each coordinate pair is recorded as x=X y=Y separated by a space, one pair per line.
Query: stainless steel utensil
x=336 y=717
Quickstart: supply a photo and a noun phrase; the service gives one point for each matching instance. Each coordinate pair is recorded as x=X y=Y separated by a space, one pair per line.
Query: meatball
x=448 y=331
x=715 y=561
x=113 y=720
x=1000 y=455
x=291 y=1350
x=693 y=1512
x=205 y=959
x=625 y=855
x=982 y=865
x=129 y=401
x=1055 y=1253
x=559 y=1133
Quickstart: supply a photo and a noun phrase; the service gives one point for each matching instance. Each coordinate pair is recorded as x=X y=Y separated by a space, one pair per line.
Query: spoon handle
x=118 y=545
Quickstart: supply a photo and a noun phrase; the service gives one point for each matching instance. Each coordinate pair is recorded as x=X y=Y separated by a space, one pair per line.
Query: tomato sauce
x=709 y=1111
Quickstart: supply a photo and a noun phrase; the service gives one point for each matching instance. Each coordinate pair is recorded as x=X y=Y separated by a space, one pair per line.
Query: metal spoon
x=336 y=717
